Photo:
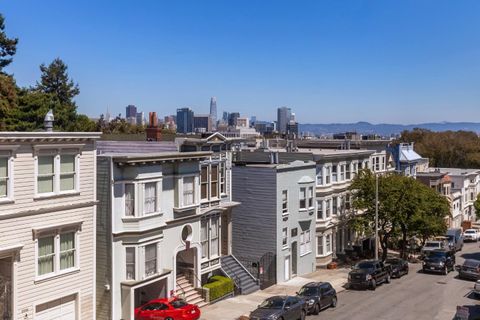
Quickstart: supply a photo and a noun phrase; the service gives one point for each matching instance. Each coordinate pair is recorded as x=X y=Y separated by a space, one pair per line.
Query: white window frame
x=328 y=175
x=223 y=178
x=135 y=264
x=320 y=209
x=184 y=194
x=144 y=262
x=303 y=196
x=326 y=251
x=196 y=186
x=335 y=174
x=9 y=178
x=209 y=240
x=305 y=242
x=310 y=197
x=320 y=241
x=328 y=208
x=319 y=179
x=55 y=233
x=139 y=198
x=285 y=202
x=57 y=154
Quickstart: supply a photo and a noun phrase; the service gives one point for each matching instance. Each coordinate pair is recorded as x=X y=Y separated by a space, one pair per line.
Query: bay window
x=342 y=172
x=310 y=197
x=347 y=171
x=204 y=182
x=328 y=242
x=327 y=208
x=223 y=172
x=327 y=175
x=320 y=210
x=319 y=176
x=320 y=251
x=334 y=205
x=214 y=181
x=210 y=237
x=334 y=173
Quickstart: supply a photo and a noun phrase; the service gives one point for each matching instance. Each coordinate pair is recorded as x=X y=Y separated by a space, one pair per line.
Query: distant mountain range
x=385 y=129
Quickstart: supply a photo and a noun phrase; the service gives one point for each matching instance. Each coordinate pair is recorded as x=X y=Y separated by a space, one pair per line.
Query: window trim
x=285 y=210
x=285 y=238
x=57 y=154
x=138 y=203
x=208 y=220
x=307 y=245
x=55 y=233
x=10 y=195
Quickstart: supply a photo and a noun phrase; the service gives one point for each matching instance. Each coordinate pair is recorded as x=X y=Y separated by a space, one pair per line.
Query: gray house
x=273 y=228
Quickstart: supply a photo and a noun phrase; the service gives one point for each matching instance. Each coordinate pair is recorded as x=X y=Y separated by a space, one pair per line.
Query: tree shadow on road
x=471 y=255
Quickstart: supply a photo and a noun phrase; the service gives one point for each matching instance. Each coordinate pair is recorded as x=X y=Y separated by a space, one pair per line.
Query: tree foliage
x=450 y=149
x=406 y=208
x=8 y=46
x=476 y=205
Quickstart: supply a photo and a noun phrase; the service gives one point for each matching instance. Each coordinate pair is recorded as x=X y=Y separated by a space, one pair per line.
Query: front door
x=287 y=268
x=294 y=259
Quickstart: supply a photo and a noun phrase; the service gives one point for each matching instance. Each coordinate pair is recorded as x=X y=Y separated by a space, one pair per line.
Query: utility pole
x=376 y=216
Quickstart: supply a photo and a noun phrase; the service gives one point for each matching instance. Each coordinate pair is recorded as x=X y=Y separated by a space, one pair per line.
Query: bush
x=219 y=286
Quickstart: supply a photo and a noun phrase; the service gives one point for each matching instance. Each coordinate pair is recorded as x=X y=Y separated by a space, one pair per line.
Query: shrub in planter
x=219 y=286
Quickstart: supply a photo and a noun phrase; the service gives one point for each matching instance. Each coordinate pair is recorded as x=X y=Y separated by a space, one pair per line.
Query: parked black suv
x=368 y=274
x=318 y=296
x=439 y=260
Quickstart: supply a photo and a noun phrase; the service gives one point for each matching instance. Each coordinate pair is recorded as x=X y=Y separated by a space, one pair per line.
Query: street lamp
x=376 y=216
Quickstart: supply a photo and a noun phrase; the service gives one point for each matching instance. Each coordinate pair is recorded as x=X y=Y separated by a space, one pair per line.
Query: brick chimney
x=154 y=133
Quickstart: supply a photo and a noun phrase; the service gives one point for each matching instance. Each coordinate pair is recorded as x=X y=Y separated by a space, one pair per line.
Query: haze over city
x=395 y=62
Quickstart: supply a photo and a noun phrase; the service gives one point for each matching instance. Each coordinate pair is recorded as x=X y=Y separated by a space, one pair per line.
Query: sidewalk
x=232 y=309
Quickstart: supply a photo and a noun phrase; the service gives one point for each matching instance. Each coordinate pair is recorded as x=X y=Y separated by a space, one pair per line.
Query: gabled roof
x=409 y=155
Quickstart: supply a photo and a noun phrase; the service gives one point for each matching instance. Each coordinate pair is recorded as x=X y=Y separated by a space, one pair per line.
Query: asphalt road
x=414 y=296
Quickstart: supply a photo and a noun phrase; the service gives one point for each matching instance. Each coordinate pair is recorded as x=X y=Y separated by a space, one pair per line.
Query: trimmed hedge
x=219 y=286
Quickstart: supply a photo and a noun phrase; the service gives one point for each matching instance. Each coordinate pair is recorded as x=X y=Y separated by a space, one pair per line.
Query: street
x=414 y=296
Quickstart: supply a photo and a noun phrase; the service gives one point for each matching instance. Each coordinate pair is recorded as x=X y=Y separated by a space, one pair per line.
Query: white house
x=47 y=229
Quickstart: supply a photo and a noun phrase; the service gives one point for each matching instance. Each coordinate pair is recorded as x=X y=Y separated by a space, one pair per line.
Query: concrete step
x=196 y=300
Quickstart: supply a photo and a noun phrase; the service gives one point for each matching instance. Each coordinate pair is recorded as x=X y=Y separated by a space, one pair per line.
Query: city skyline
x=369 y=60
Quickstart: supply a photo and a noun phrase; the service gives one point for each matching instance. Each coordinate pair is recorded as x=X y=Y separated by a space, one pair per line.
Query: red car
x=167 y=309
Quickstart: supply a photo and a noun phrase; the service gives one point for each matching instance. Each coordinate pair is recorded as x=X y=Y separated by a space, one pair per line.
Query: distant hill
x=386 y=129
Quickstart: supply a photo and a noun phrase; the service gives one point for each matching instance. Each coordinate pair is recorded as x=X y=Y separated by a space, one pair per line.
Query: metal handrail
x=242 y=266
x=235 y=278
x=196 y=277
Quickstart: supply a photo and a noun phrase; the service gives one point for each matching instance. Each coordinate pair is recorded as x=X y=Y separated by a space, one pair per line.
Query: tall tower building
x=213 y=112
x=284 y=115
x=130 y=111
x=184 y=120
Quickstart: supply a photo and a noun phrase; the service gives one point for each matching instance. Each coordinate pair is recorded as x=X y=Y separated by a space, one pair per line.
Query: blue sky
x=330 y=61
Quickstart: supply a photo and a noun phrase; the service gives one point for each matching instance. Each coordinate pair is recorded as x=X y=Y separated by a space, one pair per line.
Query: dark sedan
x=441 y=261
x=398 y=267
x=469 y=270
x=280 y=307
x=318 y=296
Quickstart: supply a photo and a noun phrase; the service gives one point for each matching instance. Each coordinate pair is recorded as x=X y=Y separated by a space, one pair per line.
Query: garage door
x=60 y=309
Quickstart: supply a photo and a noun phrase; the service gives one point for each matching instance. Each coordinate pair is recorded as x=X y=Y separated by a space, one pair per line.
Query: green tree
x=404 y=208
x=8 y=46
x=476 y=205
x=56 y=82
x=8 y=99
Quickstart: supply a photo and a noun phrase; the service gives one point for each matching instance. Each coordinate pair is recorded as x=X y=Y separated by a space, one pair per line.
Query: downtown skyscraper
x=213 y=112
x=284 y=115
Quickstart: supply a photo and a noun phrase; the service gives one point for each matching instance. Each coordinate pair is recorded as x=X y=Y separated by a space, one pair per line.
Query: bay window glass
x=319 y=176
x=334 y=173
x=204 y=183
x=129 y=199
x=67 y=172
x=334 y=205
x=327 y=175
x=303 y=198
x=188 y=191
x=150 y=198
x=214 y=236
x=320 y=251
x=3 y=177
x=320 y=210
x=46 y=174
x=328 y=244
x=214 y=181
x=150 y=259
x=46 y=255
x=348 y=170
x=310 y=197
x=284 y=201
x=223 y=172
x=204 y=237
x=327 y=208
x=67 y=250
x=130 y=263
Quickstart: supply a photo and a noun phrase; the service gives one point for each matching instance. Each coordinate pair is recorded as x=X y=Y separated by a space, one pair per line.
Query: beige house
x=47 y=229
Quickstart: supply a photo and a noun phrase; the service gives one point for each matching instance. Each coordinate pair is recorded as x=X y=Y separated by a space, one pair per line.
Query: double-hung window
x=56 y=252
x=303 y=198
x=129 y=199
x=56 y=173
x=327 y=208
x=130 y=263
x=214 y=181
x=320 y=251
x=310 y=197
x=334 y=173
x=327 y=175
x=204 y=183
x=151 y=260
x=320 y=210
x=305 y=245
x=4 y=178
x=214 y=236
x=319 y=176
x=328 y=243
x=284 y=201
x=334 y=205
x=223 y=189
x=342 y=172
x=285 y=237
x=347 y=171
x=204 y=238
x=150 y=198
x=188 y=191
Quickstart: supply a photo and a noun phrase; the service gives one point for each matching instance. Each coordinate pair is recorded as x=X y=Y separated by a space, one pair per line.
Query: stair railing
x=243 y=267
x=202 y=291
x=236 y=279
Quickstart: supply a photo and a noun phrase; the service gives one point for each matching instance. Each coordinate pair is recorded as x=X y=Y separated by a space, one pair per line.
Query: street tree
x=476 y=205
